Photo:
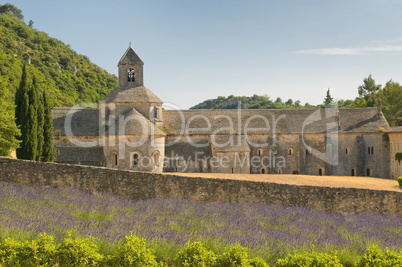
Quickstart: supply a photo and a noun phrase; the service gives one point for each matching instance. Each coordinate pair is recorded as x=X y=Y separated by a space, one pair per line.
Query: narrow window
x=320 y=172
x=290 y=151
x=233 y=170
x=262 y=171
x=259 y=152
x=115 y=159
x=131 y=75
x=368 y=172
x=156 y=158
x=353 y=172
x=280 y=171
x=372 y=150
x=347 y=150
x=135 y=160
x=369 y=150
x=176 y=169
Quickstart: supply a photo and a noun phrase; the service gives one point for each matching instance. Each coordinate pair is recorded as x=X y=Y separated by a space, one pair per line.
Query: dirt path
x=327 y=181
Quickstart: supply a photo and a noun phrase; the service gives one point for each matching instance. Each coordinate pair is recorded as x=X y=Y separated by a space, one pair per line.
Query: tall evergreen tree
x=21 y=111
x=32 y=125
x=48 y=153
x=40 y=119
x=328 y=101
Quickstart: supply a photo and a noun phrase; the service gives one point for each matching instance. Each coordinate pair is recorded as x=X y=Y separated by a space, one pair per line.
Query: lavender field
x=269 y=231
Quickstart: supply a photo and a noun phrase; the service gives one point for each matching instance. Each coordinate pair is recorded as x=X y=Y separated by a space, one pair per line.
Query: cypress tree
x=48 y=153
x=21 y=111
x=32 y=125
x=40 y=118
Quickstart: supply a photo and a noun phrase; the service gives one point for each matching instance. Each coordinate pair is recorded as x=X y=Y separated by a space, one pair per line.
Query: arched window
x=156 y=158
x=263 y=170
x=259 y=152
x=368 y=172
x=290 y=151
x=131 y=75
x=320 y=171
x=135 y=160
x=279 y=170
x=115 y=159
x=353 y=173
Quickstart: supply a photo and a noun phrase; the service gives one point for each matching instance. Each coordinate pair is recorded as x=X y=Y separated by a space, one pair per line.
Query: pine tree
x=32 y=125
x=329 y=101
x=48 y=153
x=21 y=111
x=40 y=119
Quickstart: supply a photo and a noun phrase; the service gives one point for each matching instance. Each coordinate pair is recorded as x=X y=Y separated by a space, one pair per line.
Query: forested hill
x=249 y=102
x=68 y=78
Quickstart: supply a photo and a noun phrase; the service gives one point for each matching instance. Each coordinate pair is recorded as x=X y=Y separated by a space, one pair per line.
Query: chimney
x=379 y=103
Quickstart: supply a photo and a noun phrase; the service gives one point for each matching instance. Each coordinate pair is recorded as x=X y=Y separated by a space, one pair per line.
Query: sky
x=198 y=50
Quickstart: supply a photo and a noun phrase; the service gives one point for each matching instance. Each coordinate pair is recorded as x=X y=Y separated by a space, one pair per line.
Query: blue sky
x=198 y=50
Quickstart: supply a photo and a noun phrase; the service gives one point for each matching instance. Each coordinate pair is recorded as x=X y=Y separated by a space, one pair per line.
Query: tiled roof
x=130 y=57
x=134 y=124
x=130 y=94
x=270 y=121
x=84 y=121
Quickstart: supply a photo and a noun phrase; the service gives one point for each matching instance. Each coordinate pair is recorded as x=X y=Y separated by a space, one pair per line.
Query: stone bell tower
x=131 y=69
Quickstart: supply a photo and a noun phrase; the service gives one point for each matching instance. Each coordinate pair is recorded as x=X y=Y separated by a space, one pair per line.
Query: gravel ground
x=327 y=181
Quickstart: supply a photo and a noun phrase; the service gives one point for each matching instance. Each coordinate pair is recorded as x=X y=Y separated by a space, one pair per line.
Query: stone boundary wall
x=141 y=185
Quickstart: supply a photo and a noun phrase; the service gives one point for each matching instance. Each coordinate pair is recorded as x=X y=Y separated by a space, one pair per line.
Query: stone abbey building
x=132 y=131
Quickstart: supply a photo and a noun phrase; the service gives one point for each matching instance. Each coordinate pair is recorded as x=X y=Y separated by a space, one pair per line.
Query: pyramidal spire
x=130 y=57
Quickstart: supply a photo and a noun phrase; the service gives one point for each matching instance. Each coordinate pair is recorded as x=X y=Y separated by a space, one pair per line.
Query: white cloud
x=352 y=51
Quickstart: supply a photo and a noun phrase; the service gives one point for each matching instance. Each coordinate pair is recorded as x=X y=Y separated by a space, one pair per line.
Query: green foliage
x=368 y=91
x=398 y=157
x=195 y=255
x=400 y=181
x=328 y=101
x=249 y=102
x=49 y=152
x=39 y=252
x=375 y=257
x=310 y=259
x=257 y=262
x=68 y=78
x=391 y=97
x=8 y=129
x=9 y=8
x=78 y=252
x=133 y=252
x=235 y=256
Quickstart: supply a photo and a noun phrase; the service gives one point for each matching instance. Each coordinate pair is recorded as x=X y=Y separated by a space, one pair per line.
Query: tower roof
x=130 y=94
x=130 y=57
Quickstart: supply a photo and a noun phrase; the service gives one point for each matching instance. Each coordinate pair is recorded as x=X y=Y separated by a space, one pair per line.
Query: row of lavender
x=260 y=227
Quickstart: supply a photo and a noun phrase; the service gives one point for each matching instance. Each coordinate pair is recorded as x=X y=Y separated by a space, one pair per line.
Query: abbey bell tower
x=131 y=69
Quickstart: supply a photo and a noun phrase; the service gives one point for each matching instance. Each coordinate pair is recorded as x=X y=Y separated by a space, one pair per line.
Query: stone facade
x=395 y=143
x=131 y=131
x=141 y=185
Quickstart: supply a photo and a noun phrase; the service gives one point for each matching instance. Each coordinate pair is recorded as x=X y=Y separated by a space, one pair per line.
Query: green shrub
x=258 y=262
x=375 y=257
x=235 y=256
x=310 y=259
x=400 y=181
x=75 y=251
x=39 y=252
x=133 y=252
x=195 y=255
